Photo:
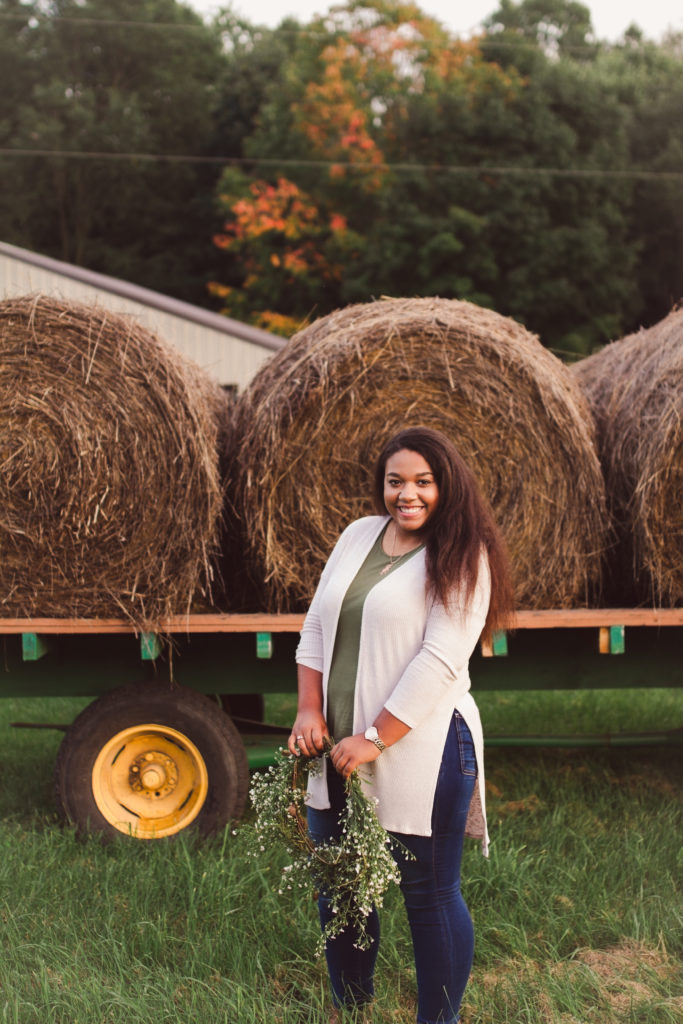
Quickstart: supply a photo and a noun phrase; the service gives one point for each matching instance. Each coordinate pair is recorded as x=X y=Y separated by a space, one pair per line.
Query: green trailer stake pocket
x=264 y=645
x=150 y=646
x=33 y=647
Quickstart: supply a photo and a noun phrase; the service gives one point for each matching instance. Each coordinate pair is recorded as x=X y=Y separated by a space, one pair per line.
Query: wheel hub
x=150 y=781
x=153 y=775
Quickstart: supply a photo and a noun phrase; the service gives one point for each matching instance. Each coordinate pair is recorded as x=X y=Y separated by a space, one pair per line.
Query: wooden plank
x=242 y=623
x=553 y=618
x=208 y=623
x=603 y=640
x=575 y=618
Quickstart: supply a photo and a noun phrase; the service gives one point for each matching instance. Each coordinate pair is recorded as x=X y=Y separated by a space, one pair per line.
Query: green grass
x=577 y=915
x=555 y=712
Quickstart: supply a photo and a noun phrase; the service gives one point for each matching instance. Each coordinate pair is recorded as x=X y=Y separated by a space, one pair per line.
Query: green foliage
x=556 y=26
x=649 y=82
x=498 y=170
x=251 y=71
x=128 y=86
x=283 y=251
x=534 y=169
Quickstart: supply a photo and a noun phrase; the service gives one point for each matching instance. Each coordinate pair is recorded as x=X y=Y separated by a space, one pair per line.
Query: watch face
x=372 y=735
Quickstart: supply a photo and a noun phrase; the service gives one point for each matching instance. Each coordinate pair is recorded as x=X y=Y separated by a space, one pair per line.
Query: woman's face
x=410 y=491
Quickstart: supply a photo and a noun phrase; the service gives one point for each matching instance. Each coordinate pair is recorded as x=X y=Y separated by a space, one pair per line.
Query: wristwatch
x=372 y=735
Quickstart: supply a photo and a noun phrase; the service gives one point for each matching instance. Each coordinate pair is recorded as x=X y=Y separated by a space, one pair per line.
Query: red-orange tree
x=286 y=248
x=343 y=111
x=494 y=170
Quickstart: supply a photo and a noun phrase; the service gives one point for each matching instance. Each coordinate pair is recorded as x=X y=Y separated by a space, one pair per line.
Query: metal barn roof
x=230 y=351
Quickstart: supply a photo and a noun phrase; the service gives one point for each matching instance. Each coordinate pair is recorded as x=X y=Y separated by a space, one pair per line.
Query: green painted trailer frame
x=242 y=656
x=254 y=653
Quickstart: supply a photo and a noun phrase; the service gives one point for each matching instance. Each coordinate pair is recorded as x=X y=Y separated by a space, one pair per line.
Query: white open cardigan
x=413 y=660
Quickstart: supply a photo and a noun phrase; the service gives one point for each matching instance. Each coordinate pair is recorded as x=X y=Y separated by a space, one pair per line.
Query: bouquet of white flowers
x=354 y=872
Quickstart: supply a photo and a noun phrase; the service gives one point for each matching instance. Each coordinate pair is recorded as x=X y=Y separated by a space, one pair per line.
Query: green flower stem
x=355 y=871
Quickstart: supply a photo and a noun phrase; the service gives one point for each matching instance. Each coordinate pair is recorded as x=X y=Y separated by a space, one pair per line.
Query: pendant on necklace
x=386 y=568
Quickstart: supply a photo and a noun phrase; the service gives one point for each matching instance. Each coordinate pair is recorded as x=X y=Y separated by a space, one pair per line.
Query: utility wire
x=482 y=37
x=33 y=19
x=457 y=169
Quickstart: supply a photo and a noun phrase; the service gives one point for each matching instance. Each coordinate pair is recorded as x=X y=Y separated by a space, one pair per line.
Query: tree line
x=279 y=174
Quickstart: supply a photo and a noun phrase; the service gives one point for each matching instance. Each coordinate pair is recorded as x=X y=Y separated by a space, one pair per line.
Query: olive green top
x=341 y=687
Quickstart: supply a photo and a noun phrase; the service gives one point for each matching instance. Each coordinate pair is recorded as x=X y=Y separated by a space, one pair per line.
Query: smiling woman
x=410 y=496
x=383 y=666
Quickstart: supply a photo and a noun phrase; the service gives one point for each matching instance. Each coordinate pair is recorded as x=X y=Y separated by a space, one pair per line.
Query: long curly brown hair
x=459 y=528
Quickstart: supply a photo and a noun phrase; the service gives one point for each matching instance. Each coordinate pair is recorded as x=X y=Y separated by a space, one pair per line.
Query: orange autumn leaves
x=352 y=106
x=334 y=116
x=281 y=237
x=283 y=208
x=360 y=96
x=347 y=91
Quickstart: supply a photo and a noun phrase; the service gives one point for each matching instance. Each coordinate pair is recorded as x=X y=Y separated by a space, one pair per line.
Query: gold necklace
x=386 y=568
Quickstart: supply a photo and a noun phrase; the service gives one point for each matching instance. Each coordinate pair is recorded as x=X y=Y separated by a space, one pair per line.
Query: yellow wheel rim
x=150 y=781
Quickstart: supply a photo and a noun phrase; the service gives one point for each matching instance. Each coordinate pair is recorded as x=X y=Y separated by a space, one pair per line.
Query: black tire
x=150 y=761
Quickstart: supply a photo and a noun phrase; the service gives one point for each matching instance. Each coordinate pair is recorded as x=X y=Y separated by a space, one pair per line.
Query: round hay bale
x=635 y=390
x=310 y=425
x=110 y=490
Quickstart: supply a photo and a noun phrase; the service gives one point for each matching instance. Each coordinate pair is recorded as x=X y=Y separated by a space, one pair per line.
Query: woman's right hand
x=308 y=733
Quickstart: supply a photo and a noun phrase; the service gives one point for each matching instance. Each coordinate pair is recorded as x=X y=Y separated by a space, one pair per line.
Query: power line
x=404 y=168
x=47 y=19
x=488 y=39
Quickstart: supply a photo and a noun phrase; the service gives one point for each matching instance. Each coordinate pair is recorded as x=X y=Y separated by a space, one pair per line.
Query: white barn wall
x=229 y=351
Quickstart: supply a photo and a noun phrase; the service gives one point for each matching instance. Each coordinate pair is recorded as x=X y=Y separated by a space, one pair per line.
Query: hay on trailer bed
x=635 y=390
x=309 y=427
x=110 y=490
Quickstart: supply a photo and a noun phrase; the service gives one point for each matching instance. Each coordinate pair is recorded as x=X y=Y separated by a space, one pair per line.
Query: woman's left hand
x=351 y=752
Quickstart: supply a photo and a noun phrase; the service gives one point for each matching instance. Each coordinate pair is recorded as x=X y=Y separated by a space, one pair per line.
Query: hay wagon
x=178 y=721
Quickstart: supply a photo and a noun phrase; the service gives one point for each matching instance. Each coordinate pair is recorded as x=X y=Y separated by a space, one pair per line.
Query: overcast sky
x=610 y=17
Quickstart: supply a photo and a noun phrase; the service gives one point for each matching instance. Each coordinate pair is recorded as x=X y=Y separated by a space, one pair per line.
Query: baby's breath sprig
x=354 y=872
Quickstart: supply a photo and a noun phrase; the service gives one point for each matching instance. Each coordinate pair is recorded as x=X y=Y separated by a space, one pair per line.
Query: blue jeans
x=440 y=923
